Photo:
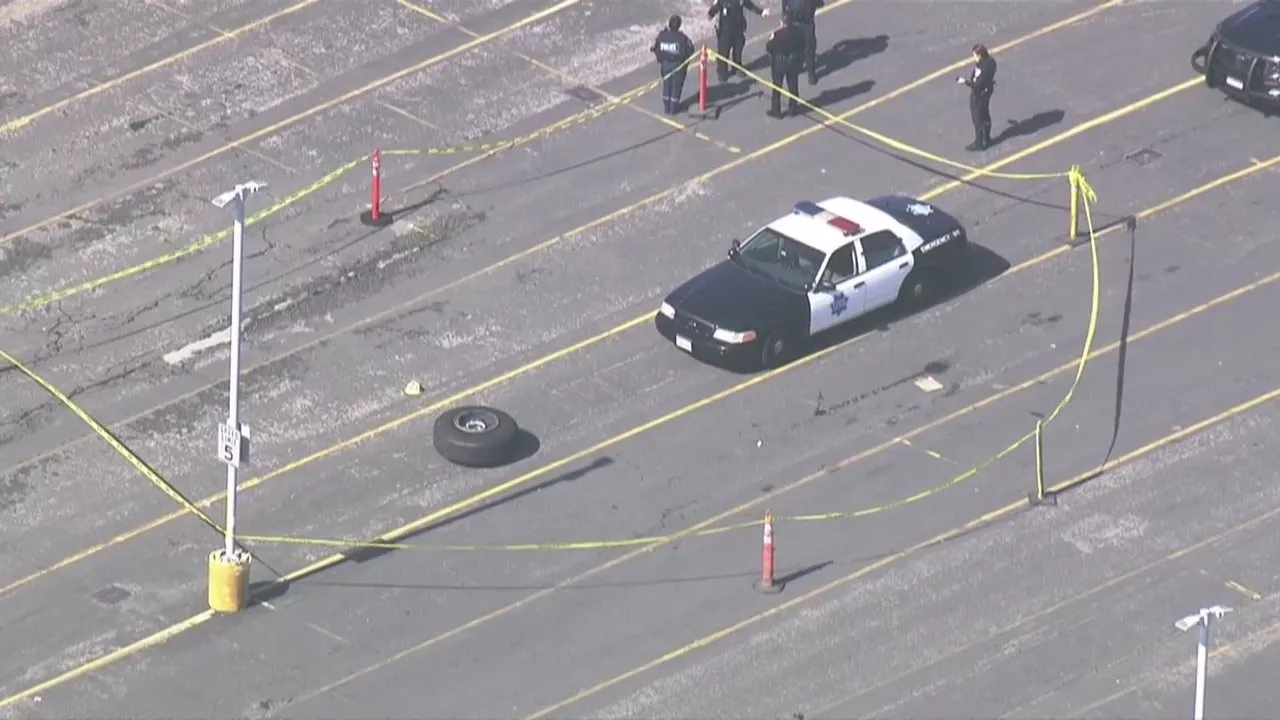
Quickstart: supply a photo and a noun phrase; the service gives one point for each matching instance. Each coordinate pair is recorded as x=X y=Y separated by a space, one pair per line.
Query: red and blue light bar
x=817 y=212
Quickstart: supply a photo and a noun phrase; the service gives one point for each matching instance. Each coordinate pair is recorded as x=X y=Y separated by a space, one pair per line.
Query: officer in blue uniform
x=731 y=31
x=982 y=83
x=786 y=52
x=672 y=48
x=804 y=15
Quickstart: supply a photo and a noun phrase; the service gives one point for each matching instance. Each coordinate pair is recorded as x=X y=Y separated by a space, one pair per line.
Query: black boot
x=976 y=145
x=984 y=140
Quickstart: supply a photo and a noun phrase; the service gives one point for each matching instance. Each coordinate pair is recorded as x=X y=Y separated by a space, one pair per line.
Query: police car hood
x=1255 y=28
x=730 y=296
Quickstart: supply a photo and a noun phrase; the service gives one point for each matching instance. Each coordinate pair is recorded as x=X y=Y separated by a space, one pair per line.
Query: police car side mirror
x=735 y=247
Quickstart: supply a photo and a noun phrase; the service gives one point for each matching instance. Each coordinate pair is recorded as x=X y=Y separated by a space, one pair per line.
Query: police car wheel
x=475 y=436
x=777 y=349
x=916 y=290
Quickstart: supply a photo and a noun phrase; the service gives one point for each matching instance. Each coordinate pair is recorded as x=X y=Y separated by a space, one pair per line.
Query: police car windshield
x=787 y=262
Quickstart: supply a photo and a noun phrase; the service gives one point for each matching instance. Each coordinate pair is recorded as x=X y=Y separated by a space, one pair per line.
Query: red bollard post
x=702 y=81
x=767 y=584
x=703 y=57
x=374 y=217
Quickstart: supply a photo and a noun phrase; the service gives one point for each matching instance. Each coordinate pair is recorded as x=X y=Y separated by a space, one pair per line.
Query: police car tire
x=776 y=351
x=475 y=436
x=917 y=289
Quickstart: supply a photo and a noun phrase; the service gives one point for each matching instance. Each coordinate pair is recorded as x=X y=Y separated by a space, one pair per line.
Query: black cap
x=674 y=22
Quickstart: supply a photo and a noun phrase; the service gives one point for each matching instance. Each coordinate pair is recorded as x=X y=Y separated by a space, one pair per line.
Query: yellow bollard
x=1074 y=230
x=229 y=581
x=1040 y=496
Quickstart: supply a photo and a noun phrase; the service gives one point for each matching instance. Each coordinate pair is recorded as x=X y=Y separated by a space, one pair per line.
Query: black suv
x=1242 y=57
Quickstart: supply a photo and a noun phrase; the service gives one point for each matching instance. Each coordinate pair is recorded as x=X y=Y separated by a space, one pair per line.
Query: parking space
x=523 y=281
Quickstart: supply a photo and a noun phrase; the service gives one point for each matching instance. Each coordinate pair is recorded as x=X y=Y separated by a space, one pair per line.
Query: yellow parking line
x=1175 y=556
x=163 y=635
x=503 y=378
x=954 y=532
x=435 y=517
x=311 y=111
x=99 y=88
x=435 y=17
x=1216 y=651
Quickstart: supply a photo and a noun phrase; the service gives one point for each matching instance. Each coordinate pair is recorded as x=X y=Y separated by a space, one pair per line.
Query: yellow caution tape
x=120 y=448
x=1086 y=195
x=885 y=139
x=202 y=243
x=1079 y=185
x=1081 y=193
x=577 y=119
x=194 y=247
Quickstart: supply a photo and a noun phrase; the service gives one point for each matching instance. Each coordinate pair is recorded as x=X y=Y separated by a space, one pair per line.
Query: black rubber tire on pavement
x=775 y=352
x=475 y=436
x=917 y=291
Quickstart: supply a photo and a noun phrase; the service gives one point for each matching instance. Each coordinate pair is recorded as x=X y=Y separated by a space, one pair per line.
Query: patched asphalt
x=488 y=270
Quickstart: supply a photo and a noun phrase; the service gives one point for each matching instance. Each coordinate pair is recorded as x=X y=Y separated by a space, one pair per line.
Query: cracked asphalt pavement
x=494 y=266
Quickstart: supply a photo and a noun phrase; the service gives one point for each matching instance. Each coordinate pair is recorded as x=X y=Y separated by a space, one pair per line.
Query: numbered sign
x=229 y=444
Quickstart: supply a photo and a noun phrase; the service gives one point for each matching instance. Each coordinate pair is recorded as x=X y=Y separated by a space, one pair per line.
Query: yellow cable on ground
x=202 y=243
x=120 y=448
x=885 y=139
x=1079 y=184
x=1081 y=192
x=1087 y=197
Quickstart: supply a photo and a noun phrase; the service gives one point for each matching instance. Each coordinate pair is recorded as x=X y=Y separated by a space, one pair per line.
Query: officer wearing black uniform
x=786 y=52
x=981 y=82
x=672 y=48
x=731 y=31
x=804 y=14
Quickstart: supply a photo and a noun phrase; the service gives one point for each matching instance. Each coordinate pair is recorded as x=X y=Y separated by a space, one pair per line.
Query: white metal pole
x=233 y=394
x=1202 y=665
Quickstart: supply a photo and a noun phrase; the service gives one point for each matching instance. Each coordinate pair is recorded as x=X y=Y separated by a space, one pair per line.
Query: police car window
x=785 y=261
x=841 y=266
x=882 y=247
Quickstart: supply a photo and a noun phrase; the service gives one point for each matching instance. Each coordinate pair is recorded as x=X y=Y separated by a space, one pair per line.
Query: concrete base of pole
x=384 y=219
x=772 y=588
x=229 y=581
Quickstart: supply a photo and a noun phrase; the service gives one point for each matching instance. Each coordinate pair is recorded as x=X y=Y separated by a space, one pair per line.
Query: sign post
x=1201 y=621
x=229 y=568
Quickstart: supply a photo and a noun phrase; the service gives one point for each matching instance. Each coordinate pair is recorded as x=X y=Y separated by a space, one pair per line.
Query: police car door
x=886 y=261
x=841 y=292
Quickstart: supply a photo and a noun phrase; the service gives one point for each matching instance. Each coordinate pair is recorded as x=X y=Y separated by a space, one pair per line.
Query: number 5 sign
x=229 y=444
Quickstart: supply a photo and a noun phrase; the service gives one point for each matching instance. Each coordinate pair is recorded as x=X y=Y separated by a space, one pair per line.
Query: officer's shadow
x=835 y=58
x=847 y=52
x=724 y=95
x=834 y=96
x=1029 y=126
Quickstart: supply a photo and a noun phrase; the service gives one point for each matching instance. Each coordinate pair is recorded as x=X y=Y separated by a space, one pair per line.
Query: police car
x=819 y=267
x=1242 y=57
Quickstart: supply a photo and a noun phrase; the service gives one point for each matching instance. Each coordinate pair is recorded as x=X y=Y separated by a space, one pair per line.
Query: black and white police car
x=1242 y=57
x=821 y=266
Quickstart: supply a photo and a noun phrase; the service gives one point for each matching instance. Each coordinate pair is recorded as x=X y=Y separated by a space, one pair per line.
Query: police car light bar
x=848 y=227
x=812 y=209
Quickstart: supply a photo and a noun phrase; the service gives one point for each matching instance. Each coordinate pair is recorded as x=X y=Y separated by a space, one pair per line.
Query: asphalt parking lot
x=527 y=278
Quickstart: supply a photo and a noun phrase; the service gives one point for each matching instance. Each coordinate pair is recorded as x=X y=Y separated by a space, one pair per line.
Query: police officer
x=731 y=31
x=804 y=14
x=981 y=82
x=672 y=48
x=786 y=53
